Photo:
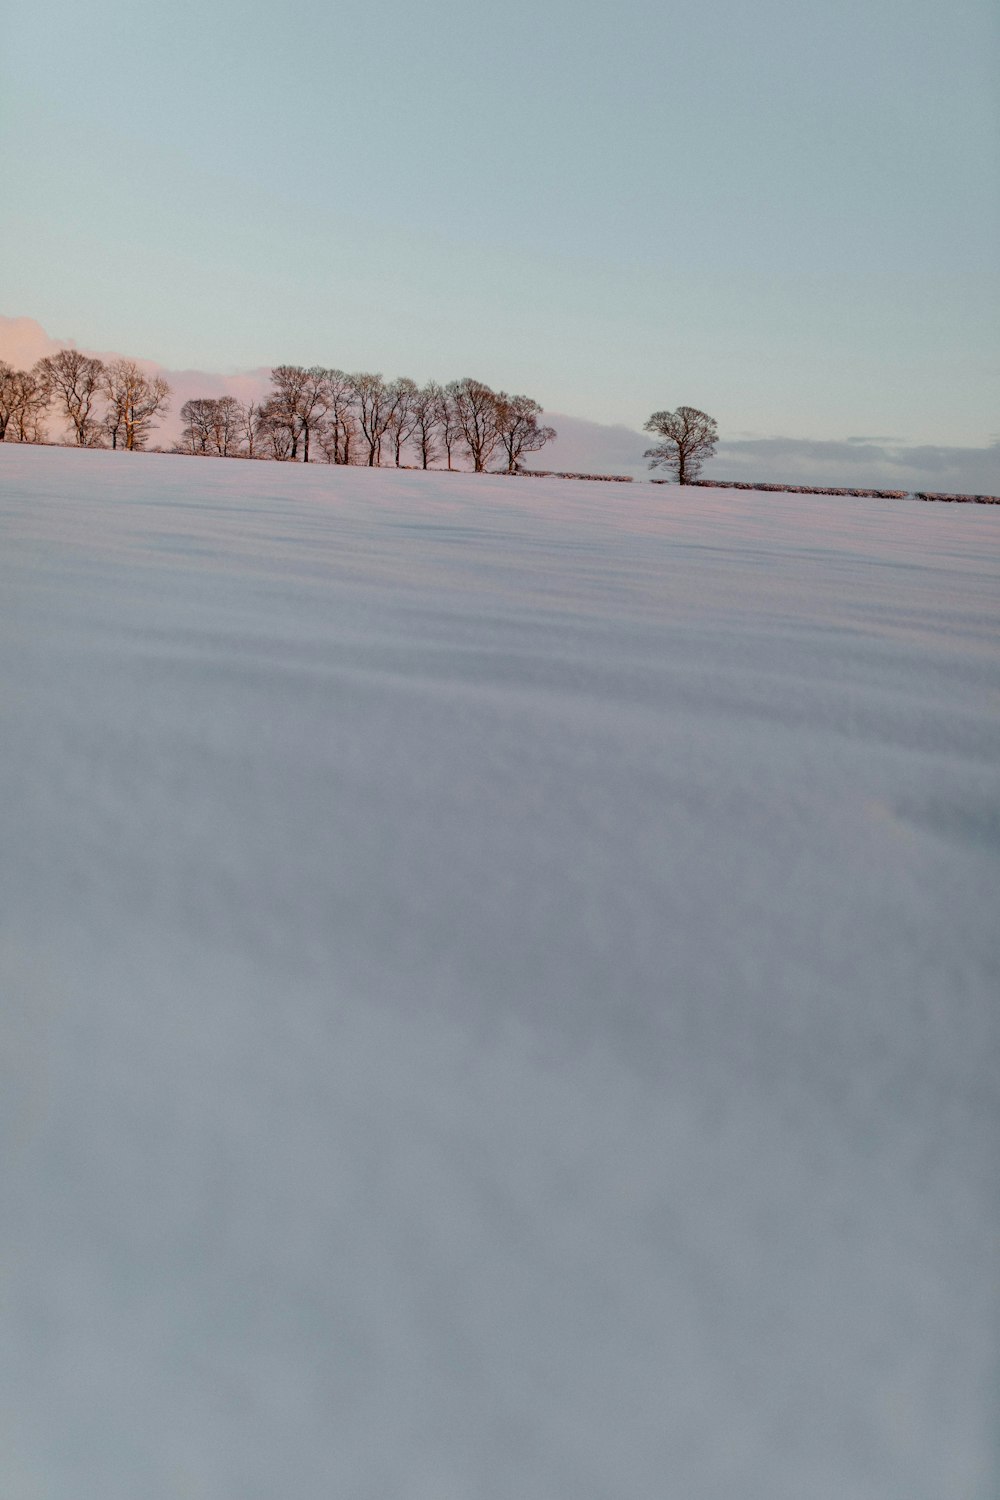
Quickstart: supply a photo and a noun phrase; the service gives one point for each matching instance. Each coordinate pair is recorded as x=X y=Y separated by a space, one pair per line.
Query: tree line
x=365 y=419
x=346 y=419
x=341 y=418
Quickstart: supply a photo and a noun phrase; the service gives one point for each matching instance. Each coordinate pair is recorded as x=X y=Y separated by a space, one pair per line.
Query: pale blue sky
x=787 y=214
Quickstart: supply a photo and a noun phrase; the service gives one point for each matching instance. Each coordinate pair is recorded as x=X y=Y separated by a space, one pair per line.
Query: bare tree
x=426 y=422
x=689 y=437
x=212 y=425
x=74 y=381
x=402 y=420
x=27 y=400
x=476 y=412
x=112 y=419
x=134 y=399
x=313 y=405
x=273 y=429
x=283 y=404
x=18 y=410
x=300 y=401
x=374 y=407
x=6 y=396
x=517 y=422
x=196 y=415
x=328 y=439
x=226 y=426
x=340 y=432
x=448 y=425
x=249 y=422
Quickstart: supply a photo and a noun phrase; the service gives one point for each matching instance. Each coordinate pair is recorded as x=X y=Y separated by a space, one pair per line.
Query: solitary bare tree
x=134 y=399
x=689 y=437
x=517 y=420
x=73 y=380
x=477 y=416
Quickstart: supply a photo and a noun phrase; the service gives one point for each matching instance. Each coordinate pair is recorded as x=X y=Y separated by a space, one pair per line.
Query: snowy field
x=499 y=988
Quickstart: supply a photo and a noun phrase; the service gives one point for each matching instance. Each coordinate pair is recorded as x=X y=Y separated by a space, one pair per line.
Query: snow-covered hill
x=499 y=988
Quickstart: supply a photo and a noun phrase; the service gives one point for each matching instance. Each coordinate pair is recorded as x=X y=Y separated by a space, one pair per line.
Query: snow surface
x=499 y=988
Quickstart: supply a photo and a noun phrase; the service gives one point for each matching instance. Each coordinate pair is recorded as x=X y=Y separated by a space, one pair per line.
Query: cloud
x=591 y=447
x=862 y=462
x=23 y=341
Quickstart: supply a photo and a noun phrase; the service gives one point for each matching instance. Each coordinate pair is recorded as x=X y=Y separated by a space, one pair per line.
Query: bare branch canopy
x=689 y=437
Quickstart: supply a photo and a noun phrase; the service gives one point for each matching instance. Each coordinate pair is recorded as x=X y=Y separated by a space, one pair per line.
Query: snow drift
x=498 y=988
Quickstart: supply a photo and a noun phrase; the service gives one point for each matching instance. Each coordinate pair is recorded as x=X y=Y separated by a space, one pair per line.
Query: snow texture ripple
x=499 y=988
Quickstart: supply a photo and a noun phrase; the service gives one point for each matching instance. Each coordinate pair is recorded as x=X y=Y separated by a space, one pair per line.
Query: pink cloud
x=23 y=341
